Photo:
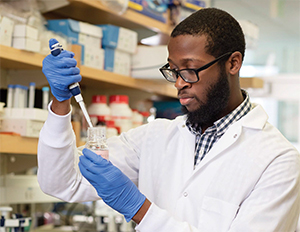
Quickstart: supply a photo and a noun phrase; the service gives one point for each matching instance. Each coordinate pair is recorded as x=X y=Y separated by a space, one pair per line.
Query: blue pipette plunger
x=56 y=49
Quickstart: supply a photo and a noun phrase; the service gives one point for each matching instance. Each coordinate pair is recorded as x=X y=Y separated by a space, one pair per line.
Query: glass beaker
x=96 y=141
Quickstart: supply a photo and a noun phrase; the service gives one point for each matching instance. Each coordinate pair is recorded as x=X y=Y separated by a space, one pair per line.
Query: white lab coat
x=249 y=180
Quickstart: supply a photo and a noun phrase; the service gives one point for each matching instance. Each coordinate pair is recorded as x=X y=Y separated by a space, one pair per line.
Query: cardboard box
x=151 y=8
x=147 y=61
x=93 y=57
x=77 y=32
x=119 y=38
x=25 y=31
x=6 y=31
x=117 y=61
x=27 y=44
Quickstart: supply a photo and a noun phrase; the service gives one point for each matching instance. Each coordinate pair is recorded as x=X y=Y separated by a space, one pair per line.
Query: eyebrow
x=187 y=60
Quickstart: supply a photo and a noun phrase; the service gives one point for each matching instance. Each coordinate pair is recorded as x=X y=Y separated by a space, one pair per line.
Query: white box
x=147 y=61
x=27 y=44
x=24 y=127
x=24 y=121
x=6 y=31
x=119 y=38
x=117 y=61
x=77 y=32
x=22 y=189
x=93 y=57
x=25 y=31
x=26 y=113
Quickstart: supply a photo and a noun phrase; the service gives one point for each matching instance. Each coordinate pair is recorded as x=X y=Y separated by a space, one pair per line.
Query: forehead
x=188 y=47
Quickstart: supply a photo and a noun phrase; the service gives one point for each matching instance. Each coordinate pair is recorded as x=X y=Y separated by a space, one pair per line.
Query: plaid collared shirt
x=211 y=135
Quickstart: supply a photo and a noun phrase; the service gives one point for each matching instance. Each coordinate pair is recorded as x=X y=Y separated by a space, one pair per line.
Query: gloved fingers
x=66 y=54
x=65 y=62
x=89 y=166
x=69 y=71
x=53 y=62
x=84 y=171
x=93 y=157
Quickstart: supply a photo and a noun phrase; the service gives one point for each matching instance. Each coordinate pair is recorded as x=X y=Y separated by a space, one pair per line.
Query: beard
x=217 y=100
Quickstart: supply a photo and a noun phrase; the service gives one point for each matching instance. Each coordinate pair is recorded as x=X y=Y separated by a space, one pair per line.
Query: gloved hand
x=115 y=188
x=61 y=71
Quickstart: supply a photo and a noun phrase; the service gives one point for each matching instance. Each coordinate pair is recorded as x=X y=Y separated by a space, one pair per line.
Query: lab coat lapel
x=189 y=139
x=255 y=119
x=229 y=138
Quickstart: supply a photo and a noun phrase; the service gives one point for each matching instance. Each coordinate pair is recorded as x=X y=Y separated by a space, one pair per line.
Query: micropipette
x=74 y=88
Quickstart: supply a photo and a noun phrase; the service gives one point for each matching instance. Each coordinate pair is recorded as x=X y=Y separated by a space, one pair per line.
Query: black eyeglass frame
x=165 y=67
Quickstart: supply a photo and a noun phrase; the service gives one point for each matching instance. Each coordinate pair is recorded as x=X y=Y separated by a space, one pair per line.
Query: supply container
x=145 y=115
x=10 y=96
x=137 y=118
x=99 y=110
x=20 y=96
x=111 y=129
x=96 y=141
x=121 y=113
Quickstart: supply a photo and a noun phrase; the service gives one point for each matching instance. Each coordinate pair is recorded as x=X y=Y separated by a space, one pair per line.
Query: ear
x=235 y=63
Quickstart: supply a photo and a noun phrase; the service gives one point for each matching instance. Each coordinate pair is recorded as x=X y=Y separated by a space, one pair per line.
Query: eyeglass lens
x=186 y=75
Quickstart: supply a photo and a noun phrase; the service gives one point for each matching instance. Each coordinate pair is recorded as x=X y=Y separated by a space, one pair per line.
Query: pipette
x=74 y=88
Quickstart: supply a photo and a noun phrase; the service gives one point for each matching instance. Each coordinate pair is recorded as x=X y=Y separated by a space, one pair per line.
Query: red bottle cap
x=99 y=99
x=118 y=99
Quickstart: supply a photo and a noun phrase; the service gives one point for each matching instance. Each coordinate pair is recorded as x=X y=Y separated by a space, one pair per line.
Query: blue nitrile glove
x=61 y=71
x=115 y=188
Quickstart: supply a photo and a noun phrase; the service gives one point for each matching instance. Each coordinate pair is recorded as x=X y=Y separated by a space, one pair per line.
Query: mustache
x=182 y=92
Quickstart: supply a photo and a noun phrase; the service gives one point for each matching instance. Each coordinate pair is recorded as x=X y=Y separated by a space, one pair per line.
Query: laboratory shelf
x=15 y=144
x=11 y=58
x=93 y=11
x=251 y=82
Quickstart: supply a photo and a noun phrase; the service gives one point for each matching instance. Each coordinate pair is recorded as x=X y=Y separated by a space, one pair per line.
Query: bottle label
x=103 y=153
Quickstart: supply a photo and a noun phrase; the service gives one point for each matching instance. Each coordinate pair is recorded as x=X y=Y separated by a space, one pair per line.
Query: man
x=221 y=167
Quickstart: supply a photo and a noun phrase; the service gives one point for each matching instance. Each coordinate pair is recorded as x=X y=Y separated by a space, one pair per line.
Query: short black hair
x=224 y=33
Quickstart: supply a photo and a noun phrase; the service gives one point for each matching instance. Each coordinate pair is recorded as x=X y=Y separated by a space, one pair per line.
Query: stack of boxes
x=26 y=37
x=105 y=46
x=119 y=44
x=88 y=36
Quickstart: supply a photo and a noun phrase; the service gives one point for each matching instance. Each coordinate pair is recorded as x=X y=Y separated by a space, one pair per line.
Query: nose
x=180 y=83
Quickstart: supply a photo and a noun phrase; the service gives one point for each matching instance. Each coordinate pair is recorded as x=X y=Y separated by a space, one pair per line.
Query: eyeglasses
x=188 y=75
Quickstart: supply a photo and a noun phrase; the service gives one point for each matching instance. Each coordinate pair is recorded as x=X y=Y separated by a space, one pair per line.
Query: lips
x=185 y=99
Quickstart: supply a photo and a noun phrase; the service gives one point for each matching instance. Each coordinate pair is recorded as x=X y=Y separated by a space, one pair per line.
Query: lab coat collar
x=256 y=118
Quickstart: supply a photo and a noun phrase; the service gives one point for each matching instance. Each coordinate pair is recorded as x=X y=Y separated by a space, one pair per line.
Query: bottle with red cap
x=111 y=129
x=120 y=112
x=99 y=110
x=137 y=118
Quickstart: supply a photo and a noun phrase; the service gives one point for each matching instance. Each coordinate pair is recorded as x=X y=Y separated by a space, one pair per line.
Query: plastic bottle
x=98 y=110
x=137 y=118
x=45 y=97
x=111 y=129
x=145 y=114
x=10 y=96
x=20 y=96
x=96 y=141
x=121 y=113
